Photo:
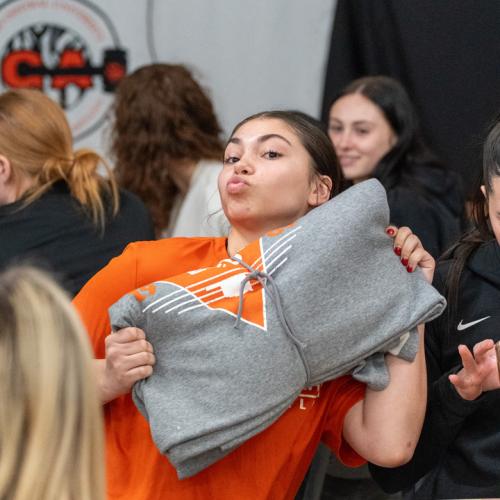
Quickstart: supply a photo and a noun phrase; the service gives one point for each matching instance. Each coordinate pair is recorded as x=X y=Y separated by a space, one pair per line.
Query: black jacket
x=458 y=454
x=54 y=233
x=431 y=203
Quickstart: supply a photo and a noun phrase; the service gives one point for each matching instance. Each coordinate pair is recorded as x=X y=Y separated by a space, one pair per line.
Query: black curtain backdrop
x=446 y=53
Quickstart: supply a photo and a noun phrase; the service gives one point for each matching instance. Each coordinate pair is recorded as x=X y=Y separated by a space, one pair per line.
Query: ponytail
x=35 y=136
x=88 y=186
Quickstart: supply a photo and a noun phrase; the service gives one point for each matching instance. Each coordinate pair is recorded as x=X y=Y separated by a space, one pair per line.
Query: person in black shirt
x=458 y=453
x=56 y=210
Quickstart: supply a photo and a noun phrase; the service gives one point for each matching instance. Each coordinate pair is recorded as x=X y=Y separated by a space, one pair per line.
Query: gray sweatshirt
x=321 y=298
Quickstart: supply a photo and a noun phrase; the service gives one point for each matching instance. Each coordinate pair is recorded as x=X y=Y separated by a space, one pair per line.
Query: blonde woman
x=50 y=419
x=56 y=209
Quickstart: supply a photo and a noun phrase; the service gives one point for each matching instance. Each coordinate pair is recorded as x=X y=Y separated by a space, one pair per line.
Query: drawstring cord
x=270 y=287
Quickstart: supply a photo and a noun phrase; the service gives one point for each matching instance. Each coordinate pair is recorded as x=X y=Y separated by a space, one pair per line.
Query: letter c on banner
x=12 y=70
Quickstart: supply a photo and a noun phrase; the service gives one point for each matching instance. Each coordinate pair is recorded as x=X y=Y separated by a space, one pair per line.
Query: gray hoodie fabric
x=302 y=305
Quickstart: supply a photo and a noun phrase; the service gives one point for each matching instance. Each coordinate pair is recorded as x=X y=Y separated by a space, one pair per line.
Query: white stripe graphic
x=257 y=264
x=285 y=236
x=189 y=287
x=196 y=297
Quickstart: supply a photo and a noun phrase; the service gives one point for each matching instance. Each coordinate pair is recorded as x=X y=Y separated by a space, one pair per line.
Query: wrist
x=108 y=390
x=469 y=395
x=443 y=393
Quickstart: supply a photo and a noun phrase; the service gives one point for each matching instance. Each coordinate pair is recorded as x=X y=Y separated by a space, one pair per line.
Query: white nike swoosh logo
x=463 y=326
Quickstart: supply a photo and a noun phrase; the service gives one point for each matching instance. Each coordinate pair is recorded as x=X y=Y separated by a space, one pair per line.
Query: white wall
x=251 y=55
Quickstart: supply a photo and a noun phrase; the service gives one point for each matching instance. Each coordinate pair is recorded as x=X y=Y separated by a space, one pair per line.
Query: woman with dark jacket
x=458 y=453
x=375 y=132
x=56 y=210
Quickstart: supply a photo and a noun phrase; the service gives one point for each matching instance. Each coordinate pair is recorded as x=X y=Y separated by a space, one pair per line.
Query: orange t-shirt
x=271 y=465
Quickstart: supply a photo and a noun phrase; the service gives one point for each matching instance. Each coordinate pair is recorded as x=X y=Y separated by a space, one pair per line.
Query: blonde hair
x=51 y=436
x=36 y=138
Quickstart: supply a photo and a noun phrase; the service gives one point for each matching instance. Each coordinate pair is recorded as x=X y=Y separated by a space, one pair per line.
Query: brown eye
x=272 y=155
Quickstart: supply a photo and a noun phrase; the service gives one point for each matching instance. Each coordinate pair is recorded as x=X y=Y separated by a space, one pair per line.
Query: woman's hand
x=409 y=248
x=129 y=358
x=479 y=372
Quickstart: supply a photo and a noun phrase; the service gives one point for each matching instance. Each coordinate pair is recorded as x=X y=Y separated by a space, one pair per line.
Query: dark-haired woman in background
x=458 y=453
x=375 y=132
x=168 y=150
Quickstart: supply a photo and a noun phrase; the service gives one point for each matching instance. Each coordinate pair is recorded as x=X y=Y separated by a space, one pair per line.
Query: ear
x=5 y=170
x=321 y=188
x=483 y=189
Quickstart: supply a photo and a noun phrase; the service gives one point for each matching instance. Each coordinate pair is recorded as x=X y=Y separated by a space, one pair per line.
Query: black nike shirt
x=458 y=454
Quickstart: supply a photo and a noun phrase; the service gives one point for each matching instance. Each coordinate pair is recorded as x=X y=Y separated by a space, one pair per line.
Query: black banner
x=446 y=53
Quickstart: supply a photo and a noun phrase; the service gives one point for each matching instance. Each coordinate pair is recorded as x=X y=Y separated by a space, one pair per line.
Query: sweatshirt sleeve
x=445 y=415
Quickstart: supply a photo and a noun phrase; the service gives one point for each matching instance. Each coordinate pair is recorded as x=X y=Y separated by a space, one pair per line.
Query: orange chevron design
x=219 y=287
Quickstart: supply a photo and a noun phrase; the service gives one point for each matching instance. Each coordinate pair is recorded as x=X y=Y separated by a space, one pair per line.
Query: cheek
x=335 y=138
x=376 y=150
x=495 y=226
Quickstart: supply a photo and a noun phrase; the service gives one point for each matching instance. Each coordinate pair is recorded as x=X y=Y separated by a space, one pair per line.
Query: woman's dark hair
x=161 y=114
x=480 y=230
x=313 y=138
x=410 y=151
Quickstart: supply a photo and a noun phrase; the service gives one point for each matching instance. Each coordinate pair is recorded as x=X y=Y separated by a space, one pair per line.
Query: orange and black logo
x=72 y=53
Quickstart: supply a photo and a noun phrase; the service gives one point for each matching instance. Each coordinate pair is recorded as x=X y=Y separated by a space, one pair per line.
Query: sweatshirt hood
x=486 y=262
x=444 y=184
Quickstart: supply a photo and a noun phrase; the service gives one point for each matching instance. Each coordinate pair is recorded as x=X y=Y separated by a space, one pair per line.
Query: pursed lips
x=236 y=185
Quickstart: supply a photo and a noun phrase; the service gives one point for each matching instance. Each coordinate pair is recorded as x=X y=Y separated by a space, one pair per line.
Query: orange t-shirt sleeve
x=140 y=264
x=101 y=291
x=349 y=392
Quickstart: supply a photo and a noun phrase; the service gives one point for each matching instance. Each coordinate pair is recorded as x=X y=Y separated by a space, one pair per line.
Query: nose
x=243 y=166
x=344 y=140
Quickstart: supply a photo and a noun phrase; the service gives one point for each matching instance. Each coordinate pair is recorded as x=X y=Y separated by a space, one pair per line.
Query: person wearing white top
x=168 y=151
x=199 y=211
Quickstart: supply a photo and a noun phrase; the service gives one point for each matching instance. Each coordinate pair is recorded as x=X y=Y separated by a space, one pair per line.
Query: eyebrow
x=261 y=139
x=357 y=122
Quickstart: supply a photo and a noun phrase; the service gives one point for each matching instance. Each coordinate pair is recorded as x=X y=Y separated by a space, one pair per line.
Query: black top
x=458 y=454
x=56 y=234
x=431 y=205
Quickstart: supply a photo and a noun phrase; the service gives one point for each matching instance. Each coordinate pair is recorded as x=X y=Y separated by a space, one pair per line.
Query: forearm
x=384 y=428
x=99 y=370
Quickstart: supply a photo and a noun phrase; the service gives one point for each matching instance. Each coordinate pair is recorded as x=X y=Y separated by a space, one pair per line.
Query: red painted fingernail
x=390 y=231
x=397 y=250
x=404 y=261
x=409 y=269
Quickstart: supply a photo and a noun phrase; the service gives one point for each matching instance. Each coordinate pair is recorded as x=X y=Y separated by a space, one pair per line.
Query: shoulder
x=130 y=198
x=132 y=222
x=131 y=203
x=171 y=256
